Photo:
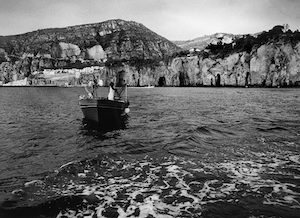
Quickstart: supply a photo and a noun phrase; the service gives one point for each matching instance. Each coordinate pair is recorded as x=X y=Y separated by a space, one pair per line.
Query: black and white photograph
x=149 y=109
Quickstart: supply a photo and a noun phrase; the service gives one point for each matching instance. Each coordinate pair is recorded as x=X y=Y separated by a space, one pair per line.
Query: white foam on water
x=81 y=175
x=142 y=164
x=34 y=183
x=167 y=163
x=206 y=191
x=247 y=170
x=227 y=188
x=186 y=194
x=170 y=188
x=295 y=159
x=149 y=205
x=67 y=164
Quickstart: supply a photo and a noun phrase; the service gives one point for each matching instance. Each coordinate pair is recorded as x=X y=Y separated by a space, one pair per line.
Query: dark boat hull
x=104 y=114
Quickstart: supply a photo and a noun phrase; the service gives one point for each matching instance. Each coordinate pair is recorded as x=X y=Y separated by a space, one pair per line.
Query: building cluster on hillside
x=70 y=77
x=59 y=77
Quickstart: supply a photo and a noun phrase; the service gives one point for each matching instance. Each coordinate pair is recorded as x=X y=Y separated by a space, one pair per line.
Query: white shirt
x=111 y=94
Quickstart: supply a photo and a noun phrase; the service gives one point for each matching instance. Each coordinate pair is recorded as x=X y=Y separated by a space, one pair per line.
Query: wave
x=272 y=129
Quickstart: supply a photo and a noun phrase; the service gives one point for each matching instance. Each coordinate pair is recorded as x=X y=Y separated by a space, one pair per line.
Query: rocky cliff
x=267 y=59
x=112 y=41
x=269 y=65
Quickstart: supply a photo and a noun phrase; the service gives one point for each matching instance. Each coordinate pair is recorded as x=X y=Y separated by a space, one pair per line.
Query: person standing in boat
x=91 y=88
x=121 y=90
x=111 y=93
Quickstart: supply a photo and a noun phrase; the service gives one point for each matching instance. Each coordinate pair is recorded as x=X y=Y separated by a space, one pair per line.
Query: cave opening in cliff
x=218 y=80
x=247 y=79
x=162 y=81
x=183 y=79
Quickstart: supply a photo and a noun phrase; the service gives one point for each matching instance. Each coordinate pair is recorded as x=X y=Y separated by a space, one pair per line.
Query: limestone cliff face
x=96 y=53
x=198 y=71
x=267 y=59
x=270 y=65
x=192 y=71
x=275 y=65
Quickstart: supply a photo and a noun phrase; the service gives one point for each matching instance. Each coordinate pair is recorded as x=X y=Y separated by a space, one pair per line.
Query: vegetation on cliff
x=247 y=43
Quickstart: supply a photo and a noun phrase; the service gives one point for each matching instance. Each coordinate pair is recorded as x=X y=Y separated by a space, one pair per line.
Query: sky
x=173 y=19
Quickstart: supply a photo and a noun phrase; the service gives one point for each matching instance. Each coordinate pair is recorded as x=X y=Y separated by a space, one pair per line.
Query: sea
x=185 y=152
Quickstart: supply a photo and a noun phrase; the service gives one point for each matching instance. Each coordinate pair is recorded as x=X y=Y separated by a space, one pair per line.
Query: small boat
x=103 y=113
x=106 y=113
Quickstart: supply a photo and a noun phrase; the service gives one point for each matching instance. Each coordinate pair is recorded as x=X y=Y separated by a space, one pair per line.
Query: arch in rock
x=162 y=81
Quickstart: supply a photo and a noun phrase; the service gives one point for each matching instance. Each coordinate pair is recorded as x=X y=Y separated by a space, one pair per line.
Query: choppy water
x=187 y=152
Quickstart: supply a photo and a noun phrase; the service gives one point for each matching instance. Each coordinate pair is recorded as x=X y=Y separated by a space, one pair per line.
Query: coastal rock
x=275 y=65
x=81 y=46
x=45 y=63
x=268 y=59
x=269 y=65
x=25 y=66
x=266 y=66
x=186 y=71
x=293 y=66
x=96 y=53
x=196 y=71
x=6 y=72
x=3 y=56
x=69 y=50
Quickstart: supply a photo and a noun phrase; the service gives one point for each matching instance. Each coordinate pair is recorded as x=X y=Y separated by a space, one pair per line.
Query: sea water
x=186 y=152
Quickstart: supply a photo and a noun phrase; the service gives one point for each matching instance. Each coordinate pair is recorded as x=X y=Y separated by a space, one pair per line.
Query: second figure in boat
x=117 y=93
